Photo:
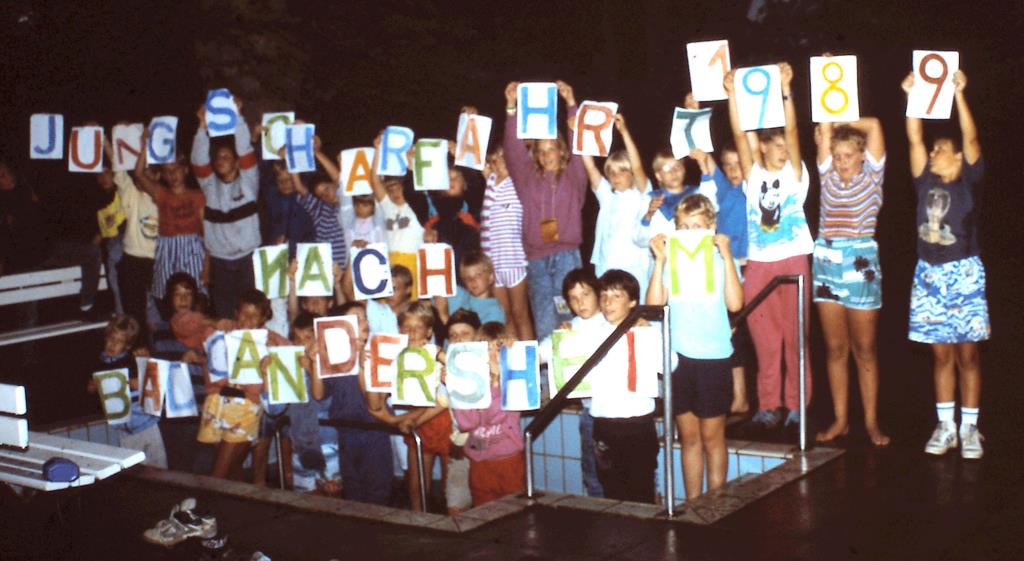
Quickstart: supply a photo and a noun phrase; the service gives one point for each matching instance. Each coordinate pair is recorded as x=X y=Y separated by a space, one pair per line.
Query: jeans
x=591 y=483
x=228 y=279
x=113 y=251
x=545 y=276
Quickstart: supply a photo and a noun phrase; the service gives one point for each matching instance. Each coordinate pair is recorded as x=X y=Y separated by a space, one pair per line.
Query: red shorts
x=436 y=435
x=493 y=479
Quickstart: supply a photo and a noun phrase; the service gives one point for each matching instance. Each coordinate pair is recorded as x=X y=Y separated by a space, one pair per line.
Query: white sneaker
x=943 y=438
x=971 y=439
x=182 y=524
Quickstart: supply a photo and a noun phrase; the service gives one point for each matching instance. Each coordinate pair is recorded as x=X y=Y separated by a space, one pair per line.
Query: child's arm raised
x=915 y=137
x=971 y=146
x=639 y=175
x=872 y=129
x=142 y=179
x=517 y=157
x=201 y=148
x=743 y=148
x=330 y=167
x=376 y=183
x=823 y=141
x=792 y=135
x=656 y=294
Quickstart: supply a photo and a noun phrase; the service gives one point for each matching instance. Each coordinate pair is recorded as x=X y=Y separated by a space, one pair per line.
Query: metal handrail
x=801 y=336
x=554 y=407
x=656 y=313
x=365 y=425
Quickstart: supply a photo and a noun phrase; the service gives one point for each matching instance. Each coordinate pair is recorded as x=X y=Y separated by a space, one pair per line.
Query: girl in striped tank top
x=847 y=277
x=501 y=238
x=180 y=205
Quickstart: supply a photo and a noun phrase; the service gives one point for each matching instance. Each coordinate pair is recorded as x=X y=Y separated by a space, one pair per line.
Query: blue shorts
x=947 y=302
x=846 y=272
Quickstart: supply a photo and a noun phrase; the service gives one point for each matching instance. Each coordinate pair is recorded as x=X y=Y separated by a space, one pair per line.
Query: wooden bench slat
x=37 y=455
x=32 y=278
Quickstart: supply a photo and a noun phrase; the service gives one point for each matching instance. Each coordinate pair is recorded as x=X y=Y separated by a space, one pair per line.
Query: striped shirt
x=851 y=211
x=501 y=226
x=326 y=227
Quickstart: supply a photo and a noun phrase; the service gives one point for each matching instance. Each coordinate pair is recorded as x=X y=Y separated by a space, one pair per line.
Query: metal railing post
x=669 y=421
x=801 y=342
x=528 y=447
x=280 y=457
x=419 y=469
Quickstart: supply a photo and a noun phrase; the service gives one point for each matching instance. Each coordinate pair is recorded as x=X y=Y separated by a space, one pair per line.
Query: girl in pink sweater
x=495 y=443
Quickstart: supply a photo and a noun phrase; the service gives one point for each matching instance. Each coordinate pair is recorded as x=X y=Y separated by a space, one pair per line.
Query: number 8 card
x=834 y=89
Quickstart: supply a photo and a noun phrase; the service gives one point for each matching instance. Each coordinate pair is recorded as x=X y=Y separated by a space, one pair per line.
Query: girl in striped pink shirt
x=501 y=238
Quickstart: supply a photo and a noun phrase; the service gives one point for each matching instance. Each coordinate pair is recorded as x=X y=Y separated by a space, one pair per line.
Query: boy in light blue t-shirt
x=701 y=335
x=477 y=295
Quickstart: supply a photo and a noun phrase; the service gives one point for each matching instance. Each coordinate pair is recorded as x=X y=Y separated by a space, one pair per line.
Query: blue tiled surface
x=751 y=464
x=553 y=475
x=573 y=477
x=571 y=435
x=557 y=467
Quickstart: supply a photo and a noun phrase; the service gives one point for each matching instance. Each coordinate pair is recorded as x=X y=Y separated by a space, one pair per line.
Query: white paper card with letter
x=933 y=91
x=286 y=379
x=595 y=121
x=834 y=96
x=691 y=128
x=355 y=171
x=417 y=377
x=472 y=137
x=315 y=276
x=126 y=140
x=758 y=93
x=337 y=345
x=246 y=348
x=469 y=375
x=537 y=110
x=382 y=361
x=709 y=62
x=273 y=137
x=46 y=136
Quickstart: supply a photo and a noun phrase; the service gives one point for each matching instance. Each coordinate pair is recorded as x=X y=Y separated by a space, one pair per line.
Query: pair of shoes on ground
x=945 y=438
x=183 y=523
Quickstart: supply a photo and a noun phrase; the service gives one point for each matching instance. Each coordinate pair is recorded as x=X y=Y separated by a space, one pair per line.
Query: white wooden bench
x=44 y=285
x=23 y=452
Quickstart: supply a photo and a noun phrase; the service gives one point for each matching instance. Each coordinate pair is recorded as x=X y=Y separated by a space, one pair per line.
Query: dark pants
x=228 y=279
x=135 y=276
x=626 y=451
x=365 y=462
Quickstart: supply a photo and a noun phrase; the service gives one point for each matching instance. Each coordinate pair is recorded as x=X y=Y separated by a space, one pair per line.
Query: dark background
x=353 y=68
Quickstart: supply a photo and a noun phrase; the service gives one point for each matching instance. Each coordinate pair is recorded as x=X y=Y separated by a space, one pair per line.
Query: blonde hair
x=617 y=161
x=695 y=204
x=476 y=258
x=562 y=146
x=417 y=309
x=846 y=133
